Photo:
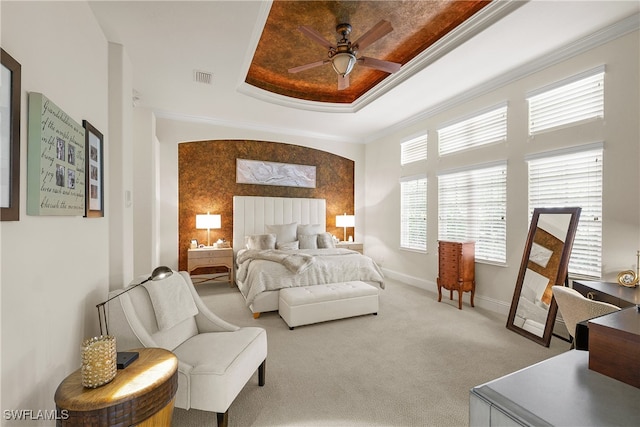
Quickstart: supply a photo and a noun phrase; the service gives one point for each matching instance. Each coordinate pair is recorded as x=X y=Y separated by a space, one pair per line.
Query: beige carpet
x=412 y=365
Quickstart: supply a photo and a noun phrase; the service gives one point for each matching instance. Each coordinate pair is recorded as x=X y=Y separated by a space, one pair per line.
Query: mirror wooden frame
x=558 y=279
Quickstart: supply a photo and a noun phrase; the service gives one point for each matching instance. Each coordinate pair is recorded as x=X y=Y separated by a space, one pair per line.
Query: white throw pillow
x=261 y=241
x=287 y=246
x=284 y=232
x=309 y=229
x=308 y=241
x=325 y=240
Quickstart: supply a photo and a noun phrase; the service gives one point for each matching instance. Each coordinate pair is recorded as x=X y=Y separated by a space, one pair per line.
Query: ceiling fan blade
x=379 y=64
x=307 y=66
x=343 y=82
x=315 y=36
x=378 y=31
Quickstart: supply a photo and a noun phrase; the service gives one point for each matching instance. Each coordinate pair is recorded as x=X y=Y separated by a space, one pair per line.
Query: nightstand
x=354 y=246
x=211 y=257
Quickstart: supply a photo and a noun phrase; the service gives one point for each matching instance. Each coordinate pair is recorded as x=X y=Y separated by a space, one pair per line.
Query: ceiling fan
x=343 y=56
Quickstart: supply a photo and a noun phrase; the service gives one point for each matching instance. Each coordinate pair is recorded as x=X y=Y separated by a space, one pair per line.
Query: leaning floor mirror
x=545 y=263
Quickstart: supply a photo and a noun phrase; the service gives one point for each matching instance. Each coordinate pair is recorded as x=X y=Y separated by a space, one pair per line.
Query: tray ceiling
x=417 y=25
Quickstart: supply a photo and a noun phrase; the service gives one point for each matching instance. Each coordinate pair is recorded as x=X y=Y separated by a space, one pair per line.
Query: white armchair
x=215 y=358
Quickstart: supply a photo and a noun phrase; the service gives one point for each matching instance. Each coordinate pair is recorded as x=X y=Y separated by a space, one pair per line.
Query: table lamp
x=345 y=221
x=207 y=222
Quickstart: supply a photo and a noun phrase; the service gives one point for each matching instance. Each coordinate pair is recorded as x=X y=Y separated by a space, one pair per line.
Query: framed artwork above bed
x=273 y=173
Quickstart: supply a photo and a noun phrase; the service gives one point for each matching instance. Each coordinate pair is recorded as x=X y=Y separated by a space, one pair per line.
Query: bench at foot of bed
x=319 y=303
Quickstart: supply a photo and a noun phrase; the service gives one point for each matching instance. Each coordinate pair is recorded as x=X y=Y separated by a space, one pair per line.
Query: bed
x=262 y=268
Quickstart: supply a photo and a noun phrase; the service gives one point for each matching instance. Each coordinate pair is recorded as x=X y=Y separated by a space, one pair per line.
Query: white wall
x=54 y=270
x=120 y=185
x=145 y=153
x=619 y=131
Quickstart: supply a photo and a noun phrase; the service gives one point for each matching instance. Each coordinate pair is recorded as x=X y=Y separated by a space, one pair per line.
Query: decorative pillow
x=287 y=246
x=308 y=241
x=284 y=232
x=309 y=229
x=325 y=240
x=261 y=241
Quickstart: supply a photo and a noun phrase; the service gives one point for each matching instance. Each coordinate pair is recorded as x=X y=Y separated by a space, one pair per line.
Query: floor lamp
x=345 y=221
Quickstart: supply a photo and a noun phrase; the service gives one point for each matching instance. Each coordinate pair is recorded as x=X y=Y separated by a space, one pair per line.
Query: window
x=473 y=206
x=572 y=100
x=413 y=150
x=483 y=128
x=573 y=178
x=413 y=215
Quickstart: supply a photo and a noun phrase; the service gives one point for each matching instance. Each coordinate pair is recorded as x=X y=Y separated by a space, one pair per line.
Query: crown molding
x=591 y=41
x=244 y=126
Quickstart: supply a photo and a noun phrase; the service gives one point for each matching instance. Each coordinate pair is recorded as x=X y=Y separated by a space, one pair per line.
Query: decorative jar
x=99 y=365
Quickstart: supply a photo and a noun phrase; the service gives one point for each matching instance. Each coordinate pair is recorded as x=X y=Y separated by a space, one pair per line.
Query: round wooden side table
x=142 y=394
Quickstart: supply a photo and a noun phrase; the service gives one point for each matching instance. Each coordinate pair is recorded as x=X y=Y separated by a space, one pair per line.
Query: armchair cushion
x=219 y=365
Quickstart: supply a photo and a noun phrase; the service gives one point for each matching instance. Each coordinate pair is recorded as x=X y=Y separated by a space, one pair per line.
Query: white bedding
x=257 y=273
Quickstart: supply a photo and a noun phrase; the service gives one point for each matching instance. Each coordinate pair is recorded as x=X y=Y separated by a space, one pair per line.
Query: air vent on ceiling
x=203 y=77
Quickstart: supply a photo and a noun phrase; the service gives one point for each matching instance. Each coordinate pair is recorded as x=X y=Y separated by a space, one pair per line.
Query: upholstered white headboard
x=252 y=213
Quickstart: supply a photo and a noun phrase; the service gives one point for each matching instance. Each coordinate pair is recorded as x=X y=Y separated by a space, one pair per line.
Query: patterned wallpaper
x=207 y=183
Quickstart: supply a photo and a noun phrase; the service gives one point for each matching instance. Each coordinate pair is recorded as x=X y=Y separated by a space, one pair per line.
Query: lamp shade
x=345 y=220
x=343 y=63
x=207 y=221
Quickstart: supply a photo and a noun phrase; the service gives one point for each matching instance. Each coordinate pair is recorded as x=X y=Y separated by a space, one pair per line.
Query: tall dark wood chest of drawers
x=457 y=269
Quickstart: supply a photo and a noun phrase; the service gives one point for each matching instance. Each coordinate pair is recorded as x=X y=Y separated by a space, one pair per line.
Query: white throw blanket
x=294 y=261
x=257 y=271
x=171 y=300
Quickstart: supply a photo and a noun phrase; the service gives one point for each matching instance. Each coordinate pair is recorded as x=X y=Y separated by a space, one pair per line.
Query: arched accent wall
x=207 y=183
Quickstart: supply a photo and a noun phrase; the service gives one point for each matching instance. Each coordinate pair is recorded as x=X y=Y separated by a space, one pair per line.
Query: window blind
x=478 y=130
x=413 y=150
x=570 y=101
x=573 y=179
x=413 y=216
x=472 y=205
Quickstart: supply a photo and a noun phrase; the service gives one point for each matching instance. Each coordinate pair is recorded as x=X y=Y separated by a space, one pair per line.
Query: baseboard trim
x=491 y=304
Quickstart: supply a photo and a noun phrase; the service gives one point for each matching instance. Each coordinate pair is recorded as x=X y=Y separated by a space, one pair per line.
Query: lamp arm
x=102 y=310
x=123 y=292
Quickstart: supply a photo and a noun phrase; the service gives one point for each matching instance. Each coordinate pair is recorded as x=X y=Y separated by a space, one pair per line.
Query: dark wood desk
x=608 y=292
x=611 y=293
x=614 y=345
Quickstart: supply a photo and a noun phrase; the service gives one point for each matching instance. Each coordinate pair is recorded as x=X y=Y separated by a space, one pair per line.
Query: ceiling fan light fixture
x=343 y=63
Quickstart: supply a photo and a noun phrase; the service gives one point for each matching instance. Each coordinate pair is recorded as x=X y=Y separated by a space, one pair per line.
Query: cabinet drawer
x=449 y=269
x=210 y=260
x=449 y=252
x=596 y=295
x=209 y=254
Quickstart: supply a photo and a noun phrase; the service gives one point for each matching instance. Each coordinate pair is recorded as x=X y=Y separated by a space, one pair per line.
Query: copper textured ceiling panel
x=416 y=26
